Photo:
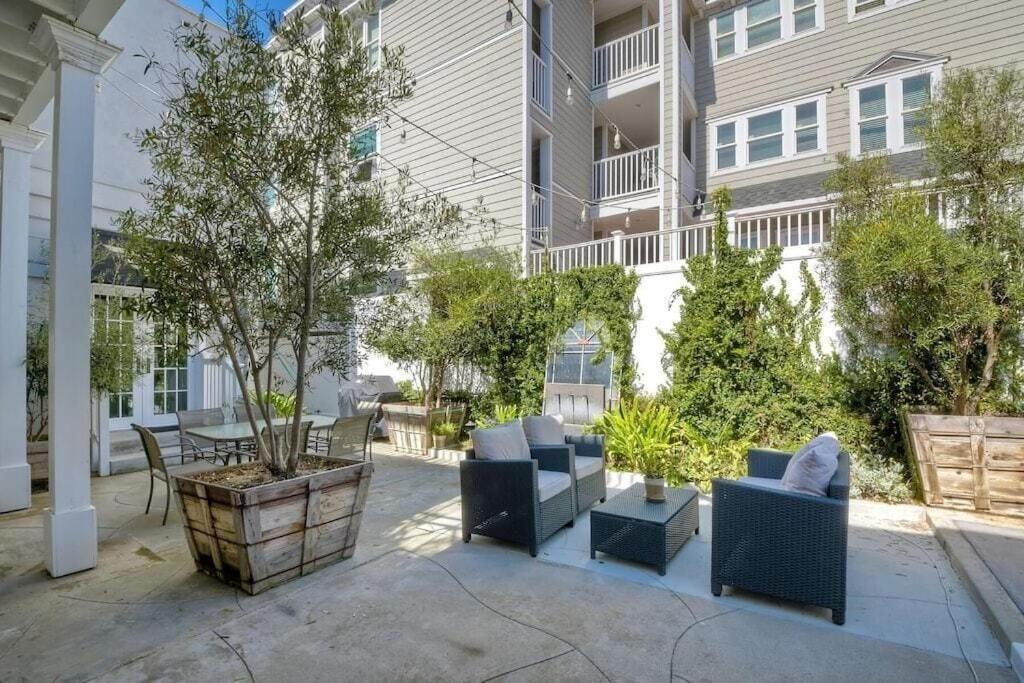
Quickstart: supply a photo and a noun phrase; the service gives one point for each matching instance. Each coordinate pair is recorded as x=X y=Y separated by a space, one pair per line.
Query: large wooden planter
x=38 y=456
x=260 y=537
x=969 y=462
x=409 y=426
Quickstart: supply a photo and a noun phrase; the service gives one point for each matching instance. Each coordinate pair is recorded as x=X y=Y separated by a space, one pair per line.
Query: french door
x=160 y=386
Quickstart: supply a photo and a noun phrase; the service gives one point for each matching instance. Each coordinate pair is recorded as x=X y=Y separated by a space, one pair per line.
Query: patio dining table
x=237 y=432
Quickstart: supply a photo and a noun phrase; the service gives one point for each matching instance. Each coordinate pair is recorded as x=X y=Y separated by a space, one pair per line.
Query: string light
x=628 y=211
x=535 y=198
x=508 y=15
x=568 y=89
x=472 y=170
x=617 y=141
x=403 y=135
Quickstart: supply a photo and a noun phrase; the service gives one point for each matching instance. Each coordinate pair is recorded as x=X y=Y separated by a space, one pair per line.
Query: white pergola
x=50 y=50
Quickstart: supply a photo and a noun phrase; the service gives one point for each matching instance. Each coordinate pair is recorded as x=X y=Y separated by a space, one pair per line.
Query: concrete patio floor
x=415 y=603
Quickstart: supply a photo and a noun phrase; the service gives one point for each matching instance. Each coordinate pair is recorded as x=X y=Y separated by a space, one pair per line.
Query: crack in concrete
x=237 y=654
x=530 y=665
x=672 y=675
x=511 y=618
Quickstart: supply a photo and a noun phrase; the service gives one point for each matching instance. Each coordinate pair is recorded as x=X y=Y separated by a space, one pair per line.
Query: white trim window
x=887 y=115
x=365 y=145
x=761 y=24
x=857 y=9
x=769 y=135
x=371 y=38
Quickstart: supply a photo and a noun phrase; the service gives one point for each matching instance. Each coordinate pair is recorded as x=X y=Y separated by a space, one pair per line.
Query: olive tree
x=946 y=299
x=259 y=232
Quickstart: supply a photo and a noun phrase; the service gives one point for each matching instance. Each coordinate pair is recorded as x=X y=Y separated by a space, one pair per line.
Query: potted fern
x=642 y=436
x=443 y=433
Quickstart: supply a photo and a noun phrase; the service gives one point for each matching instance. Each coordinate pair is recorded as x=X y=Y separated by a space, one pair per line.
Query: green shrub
x=283 y=404
x=448 y=429
x=410 y=394
x=501 y=414
x=710 y=456
x=641 y=436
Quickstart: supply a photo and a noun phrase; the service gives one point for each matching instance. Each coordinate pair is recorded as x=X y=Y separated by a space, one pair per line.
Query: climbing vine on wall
x=531 y=320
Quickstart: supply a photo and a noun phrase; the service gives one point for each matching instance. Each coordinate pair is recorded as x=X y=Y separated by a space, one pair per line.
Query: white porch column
x=16 y=144
x=70 y=522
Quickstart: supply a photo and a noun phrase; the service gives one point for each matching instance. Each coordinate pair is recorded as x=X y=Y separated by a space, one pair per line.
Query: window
x=917 y=92
x=764 y=136
x=364 y=148
x=805 y=15
x=114 y=323
x=860 y=8
x=170 y=369
x=371 y=38
x=872 y=119
x=771 y=134
x=806 y=127
x=725 y=141
x=889 y=115
x=762 y=23
x=725 y=32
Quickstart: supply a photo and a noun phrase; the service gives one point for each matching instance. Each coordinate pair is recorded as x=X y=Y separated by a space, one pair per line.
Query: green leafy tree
x=436 y=323
x=258 y=231
x=945 y=301
x=740 y=359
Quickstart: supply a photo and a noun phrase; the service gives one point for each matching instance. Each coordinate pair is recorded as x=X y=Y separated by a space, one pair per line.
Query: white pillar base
x=15 y=487
x=70 y=539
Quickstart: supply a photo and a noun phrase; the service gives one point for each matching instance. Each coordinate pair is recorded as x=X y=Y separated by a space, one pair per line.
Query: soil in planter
x=256 y=473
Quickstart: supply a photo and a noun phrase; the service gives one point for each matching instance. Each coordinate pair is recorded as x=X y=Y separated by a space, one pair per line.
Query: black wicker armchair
x=589 y=462
x=781 y=543
x=510 y=500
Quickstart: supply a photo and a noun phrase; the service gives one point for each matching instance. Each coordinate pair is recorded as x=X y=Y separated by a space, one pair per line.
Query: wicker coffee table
x=629 y=527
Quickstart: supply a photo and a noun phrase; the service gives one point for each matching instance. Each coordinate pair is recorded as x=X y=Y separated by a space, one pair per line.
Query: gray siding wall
x=469 y=71
x=571 y=125
x=971 y=34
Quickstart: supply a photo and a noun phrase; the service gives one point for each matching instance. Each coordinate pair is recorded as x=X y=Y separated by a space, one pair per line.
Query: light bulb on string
x=535 y=198
x=508 y=14
x=472 y=170
x=568 y=89
x=627 y=224
x=617 y=140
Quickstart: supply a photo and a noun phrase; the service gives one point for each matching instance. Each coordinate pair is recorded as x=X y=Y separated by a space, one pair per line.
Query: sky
x=218 y=6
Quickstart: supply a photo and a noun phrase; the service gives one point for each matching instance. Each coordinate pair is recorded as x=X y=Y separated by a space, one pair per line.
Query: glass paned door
x=168 y=379
x=114 y=326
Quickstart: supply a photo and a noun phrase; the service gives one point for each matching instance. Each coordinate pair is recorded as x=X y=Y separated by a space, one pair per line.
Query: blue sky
x=219 y=6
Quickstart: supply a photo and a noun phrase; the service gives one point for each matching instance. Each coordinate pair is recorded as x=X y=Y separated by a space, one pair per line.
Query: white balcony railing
x=626 y=56
x=540 y=215
x=629 y=173
x=540 y=87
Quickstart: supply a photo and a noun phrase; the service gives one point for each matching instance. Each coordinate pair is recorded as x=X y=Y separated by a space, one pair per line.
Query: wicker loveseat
x=779 y=542
x=511 y=499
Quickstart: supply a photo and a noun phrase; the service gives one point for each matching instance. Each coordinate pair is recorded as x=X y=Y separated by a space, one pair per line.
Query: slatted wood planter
x=409 y=426
x=969 y=462
x=263 y=536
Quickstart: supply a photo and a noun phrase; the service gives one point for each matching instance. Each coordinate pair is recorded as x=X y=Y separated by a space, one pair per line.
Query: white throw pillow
x=544 y=430
x=504 y=442
x=812 y=467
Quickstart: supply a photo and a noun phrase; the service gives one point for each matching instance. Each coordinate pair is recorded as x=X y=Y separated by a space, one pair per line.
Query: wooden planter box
x=969 y=462
x=260 y=537
x=38 y=457
x=409 y=426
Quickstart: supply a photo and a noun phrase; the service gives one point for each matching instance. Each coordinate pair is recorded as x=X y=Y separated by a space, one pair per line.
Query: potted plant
x=443 y=433
x=643 y=436
x=260 y=236
x=945 y=299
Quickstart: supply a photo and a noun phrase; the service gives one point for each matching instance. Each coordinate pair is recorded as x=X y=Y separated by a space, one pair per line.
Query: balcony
x=540 y=83
x=625 y=57
x=625 y=174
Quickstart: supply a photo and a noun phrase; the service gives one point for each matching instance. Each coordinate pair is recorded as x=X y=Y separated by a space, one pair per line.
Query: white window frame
x=367 y=42
x=740 y=28
x=893 y=82
x=851 y=8
x=789 y=153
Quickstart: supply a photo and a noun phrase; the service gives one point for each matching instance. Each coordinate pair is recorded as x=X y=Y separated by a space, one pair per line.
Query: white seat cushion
x=763 y=483
x=812 y=467
x=586 y=466
x=504 y=442
x=550 y=484
x=544 y=430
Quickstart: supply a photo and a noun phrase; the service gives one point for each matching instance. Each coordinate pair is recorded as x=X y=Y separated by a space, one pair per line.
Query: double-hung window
x=889 y=114
x=371 y=38
x=771 y=134
x=761 y=23
x=725 y=145
x=764 y=22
